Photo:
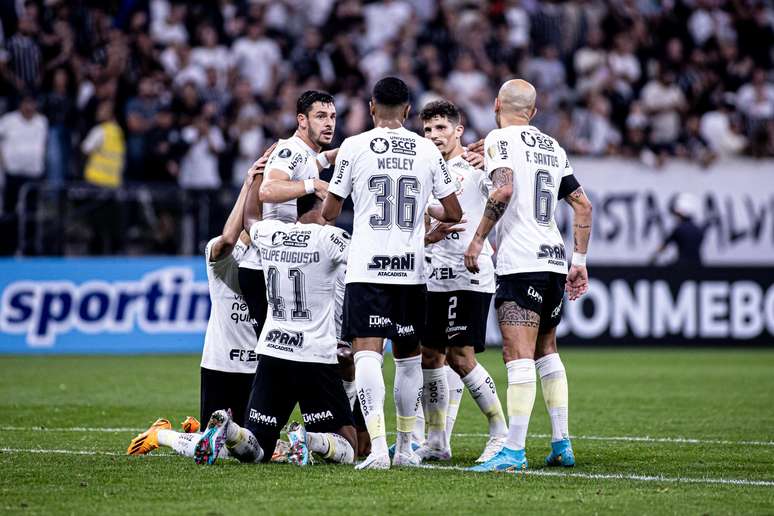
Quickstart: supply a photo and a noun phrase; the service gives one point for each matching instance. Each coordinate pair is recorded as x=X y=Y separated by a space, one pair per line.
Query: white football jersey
x=298 y=161
x=229 y=343
x=528 y=239
x=250 y=260
x=391 y=174
x=447 y=271
x=303 y=265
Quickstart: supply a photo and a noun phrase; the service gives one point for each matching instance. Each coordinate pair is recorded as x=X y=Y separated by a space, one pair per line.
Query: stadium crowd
x=190 y=93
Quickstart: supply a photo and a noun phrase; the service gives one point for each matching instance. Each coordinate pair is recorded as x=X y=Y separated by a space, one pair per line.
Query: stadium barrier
x=161 y=305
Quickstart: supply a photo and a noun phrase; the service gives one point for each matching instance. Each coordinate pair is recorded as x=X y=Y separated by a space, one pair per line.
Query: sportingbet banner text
x=103 y=305
x=632 y=202
x=666 y=306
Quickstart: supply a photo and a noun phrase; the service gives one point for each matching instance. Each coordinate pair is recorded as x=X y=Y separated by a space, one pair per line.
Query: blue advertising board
x=103 y=305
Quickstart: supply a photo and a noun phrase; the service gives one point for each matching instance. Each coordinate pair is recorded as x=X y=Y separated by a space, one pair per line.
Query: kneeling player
x=228 y=358
x=297 y=349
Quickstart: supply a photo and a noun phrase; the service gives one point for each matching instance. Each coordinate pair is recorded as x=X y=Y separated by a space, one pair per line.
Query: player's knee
x=461 y=363
x=432 y=358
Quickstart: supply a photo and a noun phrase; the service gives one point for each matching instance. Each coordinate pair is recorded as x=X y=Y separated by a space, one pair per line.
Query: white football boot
x=374 y=461
x=493 y=445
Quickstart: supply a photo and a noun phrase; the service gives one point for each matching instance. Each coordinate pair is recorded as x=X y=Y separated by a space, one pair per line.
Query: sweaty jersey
x=302 y=264
x=229 y=343
x=447 y=271
x=297 y=160
x=528 y=239
x=391 y=174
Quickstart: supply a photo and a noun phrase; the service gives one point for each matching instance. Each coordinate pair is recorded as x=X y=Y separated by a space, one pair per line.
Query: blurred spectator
x=692 y=145
x=59 y=108
x=168 y=22
x=105 y=150
x=594 y=134
x=24 y=70
x=22 y=149
x=721 y=132
x=756 y=102
x=212 y=55
x=257 y=58
x=466 y=80
x=663 y=101
x=140 y=113
x=199 y=166
x=250 y=143
x=546 y=73
x=384 y=20
x=165 y=147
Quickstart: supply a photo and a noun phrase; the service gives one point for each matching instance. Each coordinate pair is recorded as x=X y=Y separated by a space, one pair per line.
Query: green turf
x=705 y=395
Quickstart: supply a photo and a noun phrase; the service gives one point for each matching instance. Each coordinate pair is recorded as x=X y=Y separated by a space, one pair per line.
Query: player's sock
x=351 y=390
x=408 y=398
x=370 y=391
x=482 y=388
x=553 y=381
x=521 y=398
x=242 y=444
x=183 y=444
x=331 y=446
x=418 y=433
x=456 y=390
x=435 y=403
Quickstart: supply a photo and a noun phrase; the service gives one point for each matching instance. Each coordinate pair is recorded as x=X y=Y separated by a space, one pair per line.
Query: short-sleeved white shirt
x=229 y=343
x=302 y=264
x=391 y=174
x=296 y=159
x=447 y=271
x=528 y=239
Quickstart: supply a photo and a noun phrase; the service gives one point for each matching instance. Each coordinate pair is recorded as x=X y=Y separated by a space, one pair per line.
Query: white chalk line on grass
x=628 y=476
x=536 y=473
x=623 y=438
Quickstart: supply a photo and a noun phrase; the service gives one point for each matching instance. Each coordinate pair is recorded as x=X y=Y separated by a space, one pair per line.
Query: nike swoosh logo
x=452 y=335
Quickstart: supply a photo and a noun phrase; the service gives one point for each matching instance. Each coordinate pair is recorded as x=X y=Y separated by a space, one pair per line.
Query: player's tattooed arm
x=581 y=228
x=502 y=182
x=511 y=314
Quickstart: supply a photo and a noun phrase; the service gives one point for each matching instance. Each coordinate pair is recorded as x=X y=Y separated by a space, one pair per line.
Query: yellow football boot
x=190 y=425
x=148 y=441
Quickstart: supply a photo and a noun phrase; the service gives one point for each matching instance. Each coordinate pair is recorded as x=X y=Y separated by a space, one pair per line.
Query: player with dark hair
x=457 y=300
x=293 y=168
x=530 y=173
x=304 y=266
x=391 y=173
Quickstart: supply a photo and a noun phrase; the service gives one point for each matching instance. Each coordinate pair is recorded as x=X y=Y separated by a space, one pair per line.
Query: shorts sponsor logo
x=534 y=294
x=554 y=253
x=443 y=273
x=316 y=417
x=243 y=355
x=401 y=145
x=456 y=329
x=262 y=419
x=555 y=313
x=378 y=321
x=405 y=331
x=166 y=300
x=284 y=340
x=393 y=265
x=380 y=145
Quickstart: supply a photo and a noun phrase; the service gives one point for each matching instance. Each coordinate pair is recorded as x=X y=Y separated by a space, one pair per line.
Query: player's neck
x=508 y=120
x=388 y=123
x=456 y=151
x=309 y=143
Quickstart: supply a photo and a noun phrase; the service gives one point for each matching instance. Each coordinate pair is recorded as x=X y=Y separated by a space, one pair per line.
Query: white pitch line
x=620 y=438
x=628 y=476
x=536 y=473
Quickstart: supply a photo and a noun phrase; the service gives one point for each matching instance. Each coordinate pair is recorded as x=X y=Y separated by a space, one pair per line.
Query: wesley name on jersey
x=528 y=239
x=391 y=174
x=303 y=265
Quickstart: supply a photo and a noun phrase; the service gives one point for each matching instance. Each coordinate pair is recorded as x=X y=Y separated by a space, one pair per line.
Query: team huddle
x=418 y=272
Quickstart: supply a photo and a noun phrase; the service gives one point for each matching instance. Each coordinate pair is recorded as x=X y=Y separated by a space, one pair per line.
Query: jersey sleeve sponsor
x=335 y=242
x=443 y=186
x=497 y=152
x=286 y=159
x=341 y=182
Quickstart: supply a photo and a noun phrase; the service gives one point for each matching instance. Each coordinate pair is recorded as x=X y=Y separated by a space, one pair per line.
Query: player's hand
x=442 y=230
x=259 y=166
x=320 y=188
x=474 y=158
x=477 y=147
x=577 y=282
x=472 y=253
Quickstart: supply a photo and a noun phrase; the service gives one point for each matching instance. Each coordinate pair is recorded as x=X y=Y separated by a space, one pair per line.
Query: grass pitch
x=657 y=431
